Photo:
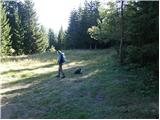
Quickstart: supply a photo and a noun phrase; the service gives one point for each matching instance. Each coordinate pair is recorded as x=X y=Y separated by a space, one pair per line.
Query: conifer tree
x=12 y=15
x=42 y=43
x=33 y=36
x=5 y=32
x=61 y=38
x=80 y=20
x=51 y=39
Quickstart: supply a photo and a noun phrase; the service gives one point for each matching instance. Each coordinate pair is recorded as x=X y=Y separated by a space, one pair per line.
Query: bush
x=133 y=54
x=150 y=53
x=147 y=54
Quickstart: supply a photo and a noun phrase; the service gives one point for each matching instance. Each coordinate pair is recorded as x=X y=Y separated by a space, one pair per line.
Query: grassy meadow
x=29 y=88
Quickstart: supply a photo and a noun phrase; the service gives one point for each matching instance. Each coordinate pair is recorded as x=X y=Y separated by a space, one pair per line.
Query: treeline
x=131 y=27
x=20 y=31
x=80 y=20
x=76 y=36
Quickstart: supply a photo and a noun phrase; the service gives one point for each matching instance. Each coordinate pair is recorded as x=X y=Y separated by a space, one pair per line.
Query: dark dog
x=78 y=71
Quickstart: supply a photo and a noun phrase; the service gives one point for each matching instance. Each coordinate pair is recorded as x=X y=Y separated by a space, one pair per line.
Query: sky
x=55 y=13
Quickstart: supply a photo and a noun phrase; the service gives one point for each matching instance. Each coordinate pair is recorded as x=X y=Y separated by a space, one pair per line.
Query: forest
x=128 y=28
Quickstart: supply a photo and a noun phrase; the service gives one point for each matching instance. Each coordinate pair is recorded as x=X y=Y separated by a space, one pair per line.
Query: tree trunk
x=121 y=52
x=95 y=47
x=90 y=47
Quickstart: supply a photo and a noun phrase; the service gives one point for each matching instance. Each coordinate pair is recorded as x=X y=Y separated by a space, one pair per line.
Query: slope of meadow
x=29 y=88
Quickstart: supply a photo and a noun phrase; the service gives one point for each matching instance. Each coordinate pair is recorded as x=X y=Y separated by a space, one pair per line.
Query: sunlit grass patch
x=17 y=68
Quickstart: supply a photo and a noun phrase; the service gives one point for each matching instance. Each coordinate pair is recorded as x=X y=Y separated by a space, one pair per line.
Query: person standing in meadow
x=60 y=60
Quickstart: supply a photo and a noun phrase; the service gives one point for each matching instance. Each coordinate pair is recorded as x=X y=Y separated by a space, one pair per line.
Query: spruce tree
x=51 y=39
x=33 y=36
x=61 y=38
x=12 y=15
x=5 y=33
x=89 y=19
x=16 y=15
x=72 y=31
x=18 y=36
x=80 y=20
x=42 y=43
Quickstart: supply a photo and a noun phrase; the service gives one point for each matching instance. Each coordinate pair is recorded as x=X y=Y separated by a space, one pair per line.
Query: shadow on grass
x=41 y=86
x=21 y=70
x=39 y=77
x=34 y=78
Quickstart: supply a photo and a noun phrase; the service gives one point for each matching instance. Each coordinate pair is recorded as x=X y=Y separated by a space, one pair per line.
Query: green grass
x=104 y=90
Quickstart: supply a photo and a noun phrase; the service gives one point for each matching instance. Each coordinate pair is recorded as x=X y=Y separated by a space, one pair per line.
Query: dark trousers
x=60 y=70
